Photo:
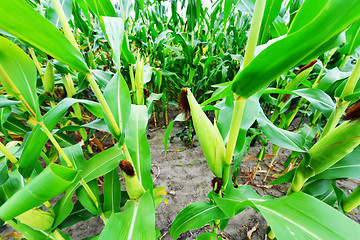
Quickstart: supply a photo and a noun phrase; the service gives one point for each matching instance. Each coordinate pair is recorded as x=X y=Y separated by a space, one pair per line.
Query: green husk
x=37 y=219
x=209 y=137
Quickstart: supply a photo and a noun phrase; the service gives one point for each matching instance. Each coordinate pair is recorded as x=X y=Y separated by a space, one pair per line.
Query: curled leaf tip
x=353 y=112
x=127 y=167
x=184 y=103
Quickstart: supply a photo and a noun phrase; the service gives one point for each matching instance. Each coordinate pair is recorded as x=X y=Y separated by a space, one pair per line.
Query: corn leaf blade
x=101 y=7
x=54 y=180
x=137 y=221
x=195 y=216
x=117 y=96
x=38 y=138
x=21 y=20
x=280 y=137
x=300 y=216
x=114 y=30
x=17 y=67
x=96 y=166
x=291 y=50
x=138 y=145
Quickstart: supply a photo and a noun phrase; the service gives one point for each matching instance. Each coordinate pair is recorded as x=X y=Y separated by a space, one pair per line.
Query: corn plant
x=73 y=70
x=31 y=184
x=248 y=86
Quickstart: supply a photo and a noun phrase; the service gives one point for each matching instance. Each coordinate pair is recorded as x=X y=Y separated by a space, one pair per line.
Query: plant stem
x=254 y=31
x=103 y=103
x=89 y=191
x=240 y=101
x=57 y=235
x=56 y=144
x=8 y=154
x=344 y=61
x=64 y=23
x=48 y=206
x=37 y=64
x=22 y=99
x=67 y=160
x=317 y=81
x=233 y=135
x=70 y=90
x=341 y=104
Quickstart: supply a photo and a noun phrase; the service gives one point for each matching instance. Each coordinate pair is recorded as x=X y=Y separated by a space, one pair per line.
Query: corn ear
x=37 y=219
x=133 y=186
x=335 y=145
x=209 y=137
x=49 y=78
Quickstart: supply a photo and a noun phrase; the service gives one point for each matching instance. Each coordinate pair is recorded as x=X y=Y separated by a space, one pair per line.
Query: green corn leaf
x=150 y=102
x=4 y=116
x=114 y=31
x=208 y=236
x=14 y=183
x=271 y=11
x=352 y=39
x=348 y=167
x=7 y=103
x=331 y=77
x=138 y=145
x=4 y=176
x=280 y=137
x=126 y=54
x=96 y=166
x=112 y=192
x=291 y=50
x=16 y=67
x=31 y=233
x=246 y=6
x=300 y=216
x=318 y=98
x=54 y=180
x=51 y=14
x=79 y=21
x=84 y=7
x=86 y=200
x=117 y=95
x=235 y=201
x=278 y=27
x=307 y=10
x=78 y=214
x=191 y=15
x=195 y=216
x=179 y=118
x=137 y=221
x=21 y=20
x=101 y=7
x=335 y=145
x=227 y=9
x=38 y=138
x=76 y=156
